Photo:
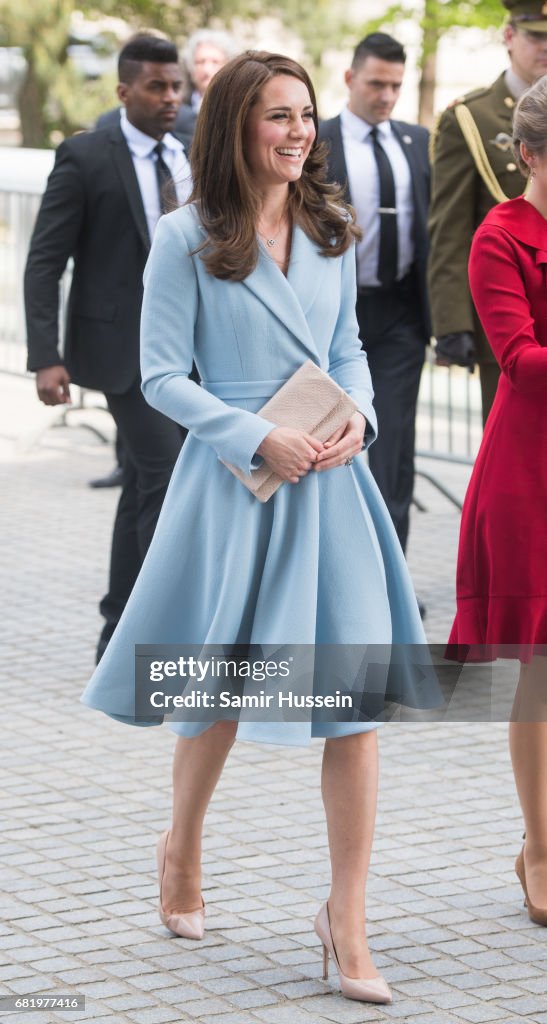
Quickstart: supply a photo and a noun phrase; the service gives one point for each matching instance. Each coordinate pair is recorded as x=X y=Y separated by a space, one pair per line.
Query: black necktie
x=388 y=255
x=166 y=185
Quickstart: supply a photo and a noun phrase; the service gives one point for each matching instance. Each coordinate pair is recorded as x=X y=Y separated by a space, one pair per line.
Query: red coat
x=502 y=558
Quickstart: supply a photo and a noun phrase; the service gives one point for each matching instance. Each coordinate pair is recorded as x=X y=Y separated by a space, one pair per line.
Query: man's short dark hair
x=141 y=48
x=378 y=44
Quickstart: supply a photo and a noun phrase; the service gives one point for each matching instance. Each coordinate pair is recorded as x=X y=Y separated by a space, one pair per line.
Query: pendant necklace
x=271 y=240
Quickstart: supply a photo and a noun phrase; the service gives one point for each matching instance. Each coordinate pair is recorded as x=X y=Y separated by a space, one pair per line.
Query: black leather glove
x=456 y=349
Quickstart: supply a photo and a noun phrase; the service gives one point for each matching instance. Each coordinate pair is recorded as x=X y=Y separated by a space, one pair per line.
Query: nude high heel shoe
x=368 y=990
x=536 y=914
x=190 y=925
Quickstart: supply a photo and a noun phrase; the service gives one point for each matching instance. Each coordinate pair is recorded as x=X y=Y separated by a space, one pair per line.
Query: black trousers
x=150 y=444
x=393 y=337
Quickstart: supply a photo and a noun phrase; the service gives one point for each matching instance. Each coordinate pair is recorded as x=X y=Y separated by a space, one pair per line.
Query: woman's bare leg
x=349 y=785
x=528 y=746
x=197 y=767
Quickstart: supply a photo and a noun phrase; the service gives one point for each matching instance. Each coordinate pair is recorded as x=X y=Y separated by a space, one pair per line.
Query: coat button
x=509 y=101
x=511 y=167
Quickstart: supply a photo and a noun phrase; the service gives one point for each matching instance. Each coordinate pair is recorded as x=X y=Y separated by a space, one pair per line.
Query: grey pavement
x=82 y=800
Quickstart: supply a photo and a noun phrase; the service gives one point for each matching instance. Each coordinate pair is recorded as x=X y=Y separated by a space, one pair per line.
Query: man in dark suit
x=384 y=167
x=103 y=199
x=206 y=52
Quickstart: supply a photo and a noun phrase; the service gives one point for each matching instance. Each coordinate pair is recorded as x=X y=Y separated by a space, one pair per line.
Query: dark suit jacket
x=183 y=128
x=186 y=120
x=92 y=210
x=413 y=139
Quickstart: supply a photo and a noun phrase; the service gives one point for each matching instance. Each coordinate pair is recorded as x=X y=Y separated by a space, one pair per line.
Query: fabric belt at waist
x=233 y=389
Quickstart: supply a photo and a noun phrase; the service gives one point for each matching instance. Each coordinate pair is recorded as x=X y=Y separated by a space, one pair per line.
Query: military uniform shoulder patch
x=475 y=94
x=468 y=98
x=434 y=132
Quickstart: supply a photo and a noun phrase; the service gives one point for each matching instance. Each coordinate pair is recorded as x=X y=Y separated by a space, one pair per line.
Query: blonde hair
x=530 y=123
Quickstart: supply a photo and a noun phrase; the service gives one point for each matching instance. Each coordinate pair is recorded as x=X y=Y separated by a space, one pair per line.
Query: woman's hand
x=343 y=444
x=290 y=453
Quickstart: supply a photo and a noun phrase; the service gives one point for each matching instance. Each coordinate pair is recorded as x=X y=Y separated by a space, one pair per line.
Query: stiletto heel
x=367 y=990
x=536 y=914
x=190 y=925
x=325 y=963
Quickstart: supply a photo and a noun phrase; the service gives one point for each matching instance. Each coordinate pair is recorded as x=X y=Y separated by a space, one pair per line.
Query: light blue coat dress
x=320 y=562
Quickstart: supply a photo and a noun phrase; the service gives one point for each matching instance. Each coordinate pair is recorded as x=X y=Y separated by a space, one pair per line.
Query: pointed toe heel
x=536 y=914
x=190 y=925
x=325 y=963
x=366 y=990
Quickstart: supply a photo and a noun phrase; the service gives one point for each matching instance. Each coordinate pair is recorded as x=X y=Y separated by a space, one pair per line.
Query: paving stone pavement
x=82 y=800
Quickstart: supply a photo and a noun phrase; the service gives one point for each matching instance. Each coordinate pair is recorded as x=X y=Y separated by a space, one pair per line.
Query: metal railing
x=23 y=174
x=17 y=215
x=449 y=422
x=19 y=205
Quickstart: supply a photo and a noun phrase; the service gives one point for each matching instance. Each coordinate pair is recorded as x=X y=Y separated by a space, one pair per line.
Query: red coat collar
x=521 y=220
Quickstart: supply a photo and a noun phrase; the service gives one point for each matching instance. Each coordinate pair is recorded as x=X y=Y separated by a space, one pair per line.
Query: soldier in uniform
x=473 y=169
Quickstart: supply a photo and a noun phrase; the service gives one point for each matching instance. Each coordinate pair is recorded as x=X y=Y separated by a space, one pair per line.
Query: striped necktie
x=166 y=185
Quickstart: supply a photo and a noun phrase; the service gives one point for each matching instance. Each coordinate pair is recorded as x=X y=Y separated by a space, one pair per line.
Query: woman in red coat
x=502 y=559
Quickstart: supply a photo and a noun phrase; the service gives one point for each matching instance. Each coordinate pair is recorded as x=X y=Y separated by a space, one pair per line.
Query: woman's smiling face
x=279 y=132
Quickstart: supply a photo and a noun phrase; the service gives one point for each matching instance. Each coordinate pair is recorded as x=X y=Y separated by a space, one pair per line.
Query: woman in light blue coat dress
x=251 y=279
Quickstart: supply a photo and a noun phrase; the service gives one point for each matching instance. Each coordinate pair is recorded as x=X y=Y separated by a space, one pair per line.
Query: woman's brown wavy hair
x=227 y=198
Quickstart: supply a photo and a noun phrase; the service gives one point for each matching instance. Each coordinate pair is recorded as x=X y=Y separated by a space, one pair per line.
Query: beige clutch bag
x=310 y=400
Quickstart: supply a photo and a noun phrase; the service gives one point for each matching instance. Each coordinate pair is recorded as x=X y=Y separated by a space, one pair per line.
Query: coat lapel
x=408 y=147
x=124 y=165
x=406 y=143
x=289 y=298
x=521 y=220
x=338 y=170
x=307 y=269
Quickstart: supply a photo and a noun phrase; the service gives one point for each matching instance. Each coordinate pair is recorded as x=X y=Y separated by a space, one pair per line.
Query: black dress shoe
x=113 y=479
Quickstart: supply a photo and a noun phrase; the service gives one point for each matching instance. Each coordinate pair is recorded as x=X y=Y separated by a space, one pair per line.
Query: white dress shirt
x=516 y=85
x=141 y=147
x=364 y=186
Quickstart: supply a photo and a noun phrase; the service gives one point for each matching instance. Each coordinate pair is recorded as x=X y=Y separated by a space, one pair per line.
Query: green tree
x=319 y=24
x=40 y=28
x=435 y=19
x=54 y=97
